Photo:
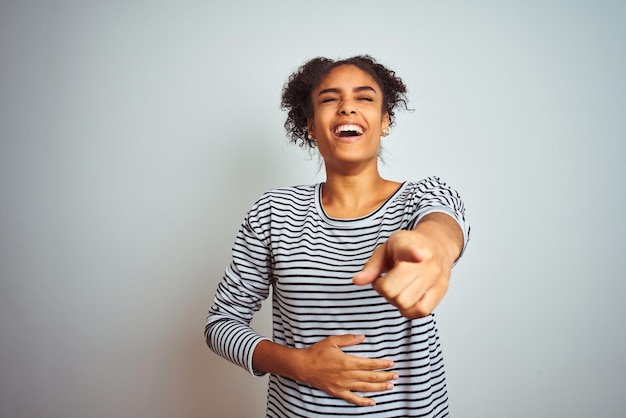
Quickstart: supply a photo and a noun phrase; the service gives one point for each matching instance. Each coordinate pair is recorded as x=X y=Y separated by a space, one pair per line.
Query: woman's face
x=348 y=118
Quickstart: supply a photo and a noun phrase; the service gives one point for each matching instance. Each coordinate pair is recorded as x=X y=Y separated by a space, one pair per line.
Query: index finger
x=373 y=268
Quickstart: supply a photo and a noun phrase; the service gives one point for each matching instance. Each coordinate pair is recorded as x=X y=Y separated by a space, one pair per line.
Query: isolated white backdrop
x=134 y=135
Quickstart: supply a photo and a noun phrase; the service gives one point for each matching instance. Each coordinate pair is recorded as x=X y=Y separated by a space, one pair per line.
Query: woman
x=355 y=265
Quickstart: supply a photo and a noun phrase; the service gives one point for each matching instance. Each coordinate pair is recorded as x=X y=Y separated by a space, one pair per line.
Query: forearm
x=442 y=228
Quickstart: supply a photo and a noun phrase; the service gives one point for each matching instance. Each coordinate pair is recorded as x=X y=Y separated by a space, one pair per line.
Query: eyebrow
x=356 y=90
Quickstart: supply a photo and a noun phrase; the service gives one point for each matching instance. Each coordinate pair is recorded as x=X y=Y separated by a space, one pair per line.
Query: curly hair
x=297 y=101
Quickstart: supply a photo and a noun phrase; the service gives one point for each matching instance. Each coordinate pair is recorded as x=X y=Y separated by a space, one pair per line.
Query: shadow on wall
x=221 y=389
x=236 y=179
x=242 y=173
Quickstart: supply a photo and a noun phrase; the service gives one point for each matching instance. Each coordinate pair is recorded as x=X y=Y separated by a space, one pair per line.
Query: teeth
x=349 y=128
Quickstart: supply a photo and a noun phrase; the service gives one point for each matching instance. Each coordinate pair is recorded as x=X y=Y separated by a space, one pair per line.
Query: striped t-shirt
x=288 y=244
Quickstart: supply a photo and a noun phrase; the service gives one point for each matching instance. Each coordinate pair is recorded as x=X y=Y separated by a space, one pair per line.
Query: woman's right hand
x=325 y=366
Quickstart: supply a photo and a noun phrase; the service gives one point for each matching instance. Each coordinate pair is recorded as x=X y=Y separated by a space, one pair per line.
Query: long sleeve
x=245 y=285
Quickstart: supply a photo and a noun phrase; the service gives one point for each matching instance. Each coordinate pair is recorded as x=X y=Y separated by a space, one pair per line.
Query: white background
x=134 y=135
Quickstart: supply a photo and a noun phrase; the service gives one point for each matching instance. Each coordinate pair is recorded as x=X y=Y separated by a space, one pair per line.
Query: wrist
x=270 y=357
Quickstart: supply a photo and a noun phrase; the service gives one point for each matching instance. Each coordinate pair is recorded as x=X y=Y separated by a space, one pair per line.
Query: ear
x=384 y=126
x=311 y=128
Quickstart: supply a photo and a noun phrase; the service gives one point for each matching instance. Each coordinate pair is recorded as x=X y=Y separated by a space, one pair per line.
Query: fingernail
x=389 y=386
x=395 y=377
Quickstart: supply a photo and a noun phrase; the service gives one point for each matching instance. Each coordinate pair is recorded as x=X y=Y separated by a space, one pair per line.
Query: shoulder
x=283 y=198
x=432 y=185
x=432 y=192
x=291 y=193
x=432 y=182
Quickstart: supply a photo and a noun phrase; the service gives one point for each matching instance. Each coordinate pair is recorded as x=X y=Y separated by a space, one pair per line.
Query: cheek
x=321 y=121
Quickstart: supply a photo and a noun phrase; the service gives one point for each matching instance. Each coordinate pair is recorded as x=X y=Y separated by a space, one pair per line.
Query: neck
x=350 y=196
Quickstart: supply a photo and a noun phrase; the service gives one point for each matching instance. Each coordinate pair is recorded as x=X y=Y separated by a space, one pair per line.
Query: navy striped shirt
x=290 y=248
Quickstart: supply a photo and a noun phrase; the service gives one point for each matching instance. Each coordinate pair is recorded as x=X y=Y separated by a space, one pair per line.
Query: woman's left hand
x=412 y=268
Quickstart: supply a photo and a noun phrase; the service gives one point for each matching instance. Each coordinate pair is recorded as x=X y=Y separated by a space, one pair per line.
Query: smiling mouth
x=348 y=130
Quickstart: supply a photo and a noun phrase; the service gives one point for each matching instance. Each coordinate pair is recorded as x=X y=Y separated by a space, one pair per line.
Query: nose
x=347 y=108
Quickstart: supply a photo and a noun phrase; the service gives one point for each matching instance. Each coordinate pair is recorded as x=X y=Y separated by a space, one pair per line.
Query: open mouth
x=348 y=130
